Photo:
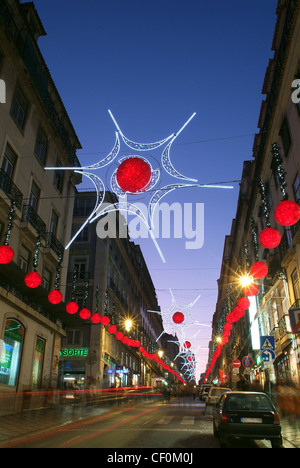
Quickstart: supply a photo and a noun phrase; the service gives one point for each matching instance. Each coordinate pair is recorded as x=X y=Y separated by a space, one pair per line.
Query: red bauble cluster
x=244 y=303
x=270 y=238
x=287 y=213
x=33 y=280
x=105 y=320
x=134 y=175
x=6 y=255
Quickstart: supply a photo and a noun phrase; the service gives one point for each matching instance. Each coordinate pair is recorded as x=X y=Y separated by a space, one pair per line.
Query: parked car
x=214 y=395
x=249 y=415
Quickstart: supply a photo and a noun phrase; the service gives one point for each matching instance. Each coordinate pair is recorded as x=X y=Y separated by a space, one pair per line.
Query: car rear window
x=249 y=402
x=218 y=391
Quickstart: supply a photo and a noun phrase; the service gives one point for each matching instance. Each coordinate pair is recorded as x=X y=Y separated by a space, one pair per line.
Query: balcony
x=29 y=215
x=54 y=244
x=10 y=189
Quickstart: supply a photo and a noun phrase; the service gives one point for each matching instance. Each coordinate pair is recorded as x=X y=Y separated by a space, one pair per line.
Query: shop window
x=10 y=352
x=38 y=363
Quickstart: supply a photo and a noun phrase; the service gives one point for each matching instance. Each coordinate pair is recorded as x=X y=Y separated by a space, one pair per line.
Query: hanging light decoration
x=251 y=290
x=55 y=297
x=96 y=318
x=244 y=303
x=259 y=270
x=178 y=318
x=134 y=175
x=287 y=213
x=6 y=252
x=112 y=329
x=85 y=314
x=105 y=320
x=33 y=280
x=72 y=308
x=270 y=238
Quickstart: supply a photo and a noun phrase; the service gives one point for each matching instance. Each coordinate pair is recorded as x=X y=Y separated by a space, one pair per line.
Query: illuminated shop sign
x=71 y=352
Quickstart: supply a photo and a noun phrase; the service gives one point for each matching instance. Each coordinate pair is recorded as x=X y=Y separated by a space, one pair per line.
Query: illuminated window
x=10 y=352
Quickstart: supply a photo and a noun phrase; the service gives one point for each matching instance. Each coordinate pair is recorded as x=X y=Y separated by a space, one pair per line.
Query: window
x=9 y=161
x=83 y=236
x=41 y=146
x=296 y=284
x=19 y=108
x=46 y=279
x=34 y=196
x=80 y=266
x=296 y=188
x=58 y=178
x=53 y=223
x=24 y=257
x=285 y=137
x=38 y=363
x=84 y=206
x=10 y=352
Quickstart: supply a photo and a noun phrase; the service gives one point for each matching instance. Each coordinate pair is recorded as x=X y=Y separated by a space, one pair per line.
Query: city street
x=181 y=423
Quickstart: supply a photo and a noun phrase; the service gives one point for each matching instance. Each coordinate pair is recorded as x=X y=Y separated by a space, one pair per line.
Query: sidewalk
x=290 y=432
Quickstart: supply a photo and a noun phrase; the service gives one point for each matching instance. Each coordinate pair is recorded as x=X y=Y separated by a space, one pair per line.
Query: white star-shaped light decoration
x=134 y=175
x=178 y=318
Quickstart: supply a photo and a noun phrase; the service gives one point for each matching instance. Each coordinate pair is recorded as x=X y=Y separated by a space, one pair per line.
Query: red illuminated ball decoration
x=178 y=318
x=287 y=213
x=96 y=318
x=251 y=290
x=72 y=308
x=105 y=320
x=259 y=270
x=33 y=280
x=238 y=312
x=187 y=344
x=6 y=255
x=119 y=335
x=243 y=303
x=85 y=314
x=112 y=329
x=270 y=238
x=55 y=297
x=134 y=175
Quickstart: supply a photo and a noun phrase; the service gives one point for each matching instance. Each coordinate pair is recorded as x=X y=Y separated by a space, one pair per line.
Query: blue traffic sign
x=247 y=361
x=267 y=342
x=268 y=355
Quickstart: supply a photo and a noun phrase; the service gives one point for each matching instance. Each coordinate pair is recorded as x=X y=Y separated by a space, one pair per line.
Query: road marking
x=165 y=420
x=187 y=420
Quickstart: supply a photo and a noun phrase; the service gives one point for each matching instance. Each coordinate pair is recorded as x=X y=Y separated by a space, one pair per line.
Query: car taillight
x=224 y=417
x=276 y=419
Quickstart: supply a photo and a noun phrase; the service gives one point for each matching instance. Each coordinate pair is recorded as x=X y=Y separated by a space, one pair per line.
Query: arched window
x=10 y=352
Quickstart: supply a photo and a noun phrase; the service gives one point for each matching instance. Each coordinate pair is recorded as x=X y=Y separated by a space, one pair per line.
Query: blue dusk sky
x=154 y=63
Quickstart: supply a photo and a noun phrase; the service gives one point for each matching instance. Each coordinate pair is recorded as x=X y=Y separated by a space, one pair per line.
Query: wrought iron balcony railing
x=29 y=215
x=10 y=189
x=54 y=244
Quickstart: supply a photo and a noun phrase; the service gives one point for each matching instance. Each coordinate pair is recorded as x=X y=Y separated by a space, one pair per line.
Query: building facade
x=108 y=275
x=36 y=206
x=273 y=175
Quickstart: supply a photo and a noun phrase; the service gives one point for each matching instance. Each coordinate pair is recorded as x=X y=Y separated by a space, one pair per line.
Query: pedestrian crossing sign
x=267 y=343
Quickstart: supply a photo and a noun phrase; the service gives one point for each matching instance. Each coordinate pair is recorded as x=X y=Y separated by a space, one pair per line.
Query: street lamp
x=160 y=353
x=128 y=325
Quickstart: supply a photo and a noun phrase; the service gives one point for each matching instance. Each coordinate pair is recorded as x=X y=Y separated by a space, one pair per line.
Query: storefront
x=72 y=368
x=11 y=352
